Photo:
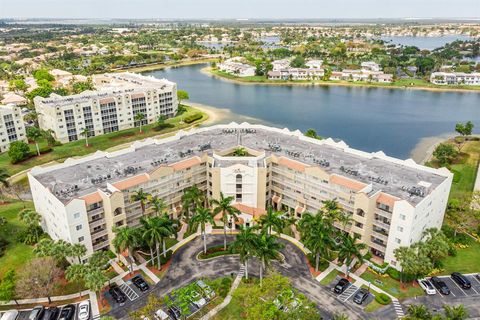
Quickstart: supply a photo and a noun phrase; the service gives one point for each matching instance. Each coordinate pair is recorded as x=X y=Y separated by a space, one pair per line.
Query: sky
x=236 y=9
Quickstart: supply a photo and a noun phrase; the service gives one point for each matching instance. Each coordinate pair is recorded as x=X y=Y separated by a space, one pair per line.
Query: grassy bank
x=103 y=142
x=162 y=65
x=466 y=260
x=399 y=84
x=393 y=286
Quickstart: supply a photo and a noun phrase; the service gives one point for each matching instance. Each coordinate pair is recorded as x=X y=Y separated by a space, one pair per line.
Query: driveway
x=185 y=268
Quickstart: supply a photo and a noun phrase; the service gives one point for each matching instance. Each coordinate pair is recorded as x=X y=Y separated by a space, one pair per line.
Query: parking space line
x=473 y=288
x=475 y=278
x=354 y=291
x=459 y=287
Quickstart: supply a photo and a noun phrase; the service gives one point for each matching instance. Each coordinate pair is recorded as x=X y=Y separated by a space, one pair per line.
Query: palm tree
x=272 y=220
x=76 y=272
x=31 y=218
x=85 y=132
x=142 y=197
x=4 y=179
x=156 y=230
x=319 y=237
x=126 y=238
x=350 y=249
x=158 y=205
x=139 y=117
x=201 y=218
x=244 y=245
x=34 y=134
x=191 y=199
x=331 y=208
x=266 y=249
x=95 y=279
x=223 y=206
x=418 y=312
x=78 y=250
x=455 y=312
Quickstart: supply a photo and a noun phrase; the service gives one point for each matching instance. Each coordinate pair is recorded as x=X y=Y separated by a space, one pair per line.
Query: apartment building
x=12 y=127
x=390 y=201
x=235 y=67
x=455 y=78
x=112 y=107
x=362 y=75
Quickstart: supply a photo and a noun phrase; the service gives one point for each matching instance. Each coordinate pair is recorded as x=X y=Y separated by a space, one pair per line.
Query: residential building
x=13 y=98
x=281 y=64
x=234 y=67
x=12 y=127
x=370 y=66
x=362 y=75
x=455 y=78
x=314 y=64
x=296 y=74
x=390 y=201
x=112 y=107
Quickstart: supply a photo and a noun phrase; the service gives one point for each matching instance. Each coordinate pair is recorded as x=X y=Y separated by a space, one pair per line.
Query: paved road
x=185 y=268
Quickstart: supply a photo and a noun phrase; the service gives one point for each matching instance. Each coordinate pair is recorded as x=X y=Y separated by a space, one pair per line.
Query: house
x=370 y=66
x=233 y=67
x=314 y=64
x=13 y=98
x=455 y=78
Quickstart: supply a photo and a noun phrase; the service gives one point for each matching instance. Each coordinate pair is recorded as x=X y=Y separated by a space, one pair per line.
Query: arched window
x=117 y=211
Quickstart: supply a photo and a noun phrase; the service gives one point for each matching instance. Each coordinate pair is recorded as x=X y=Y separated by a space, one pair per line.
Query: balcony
x=96 y=223
x=100 y=245
x=376 y=246
x=381 y=224
x=99 y=233
x=383 y=213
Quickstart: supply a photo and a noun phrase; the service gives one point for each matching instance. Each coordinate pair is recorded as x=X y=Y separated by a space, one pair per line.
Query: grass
x=16 y=253
x=330 y=277
x=374 y=305
x=103 y=142
x=465 y=169
x=466 y=260
x=392 y=286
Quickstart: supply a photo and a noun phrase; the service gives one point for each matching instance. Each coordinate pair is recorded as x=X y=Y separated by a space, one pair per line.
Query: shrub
x=393 y=273
x=18 y=151
x=224 y=287
x=368 y=256
x=383 y=299
x=192 y=118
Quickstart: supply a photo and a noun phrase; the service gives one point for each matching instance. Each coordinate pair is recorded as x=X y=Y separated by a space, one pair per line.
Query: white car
x=209 y=293
x=161 y=315
x=427 y=286
x=84 y=310
x=198 y=300
x=10 y=315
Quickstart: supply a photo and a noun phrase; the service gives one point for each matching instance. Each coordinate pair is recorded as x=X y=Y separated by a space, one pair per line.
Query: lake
x=422 y=42
x=370 y=119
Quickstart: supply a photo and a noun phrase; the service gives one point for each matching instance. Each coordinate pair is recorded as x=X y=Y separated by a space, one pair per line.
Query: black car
x=341 y=285
x=36 y=313
x=51 y=313
x=461 y=280
x=117 y=294
x=140 y=283
x=67 y=313
x=175 y=312
x=440 y=285
x=360 y=296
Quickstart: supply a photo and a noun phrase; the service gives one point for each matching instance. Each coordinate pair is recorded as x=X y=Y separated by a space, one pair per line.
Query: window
x=79 y=227
x=403 y=217
x=80 y=239
x=398 y=240
x=76 y=215
x=400 y=229
x=239 y=197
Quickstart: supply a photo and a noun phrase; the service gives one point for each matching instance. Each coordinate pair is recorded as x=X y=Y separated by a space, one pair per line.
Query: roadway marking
x=398 y=309
x=129 y=292
x=459 y=287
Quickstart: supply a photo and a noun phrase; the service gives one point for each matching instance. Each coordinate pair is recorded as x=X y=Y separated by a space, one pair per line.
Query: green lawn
x=103 y=142
x=330 y=277
x=466 y=261
x=16 y=253
x=393 y=286
x=465 y=169
x=374 y=305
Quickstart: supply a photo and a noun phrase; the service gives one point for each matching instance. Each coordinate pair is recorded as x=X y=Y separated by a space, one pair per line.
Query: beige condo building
x=112 y=107
x=12 y=126
x=390 y=201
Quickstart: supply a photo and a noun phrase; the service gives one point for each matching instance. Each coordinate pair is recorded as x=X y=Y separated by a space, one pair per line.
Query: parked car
x=140 y=283
x=209 y=293
x=341 y=285
x=84 y=310
x=117 y=294
x=10 y=315
x=461 y=280
x=440 y=285
x=161 y=315
x=67 y=313
x=427 y=286
x=477 y=276
x=36 y=313
x=198 y=300
x=360 y=296
x=174 y=312
x=51 y=313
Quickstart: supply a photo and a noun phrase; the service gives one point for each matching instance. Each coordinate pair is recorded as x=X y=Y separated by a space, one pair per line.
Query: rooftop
x=400 y=178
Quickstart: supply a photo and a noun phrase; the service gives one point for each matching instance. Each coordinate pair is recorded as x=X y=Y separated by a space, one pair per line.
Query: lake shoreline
x=208 y=71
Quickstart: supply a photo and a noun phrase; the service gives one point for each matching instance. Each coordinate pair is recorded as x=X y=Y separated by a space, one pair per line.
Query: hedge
x=383 y=299
x=193 y=117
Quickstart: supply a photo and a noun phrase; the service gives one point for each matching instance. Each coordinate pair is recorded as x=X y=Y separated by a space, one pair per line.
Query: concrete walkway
x=149 y=273
x=325 y=273
x=228 y=298
x=116 y=267
x=182 y=231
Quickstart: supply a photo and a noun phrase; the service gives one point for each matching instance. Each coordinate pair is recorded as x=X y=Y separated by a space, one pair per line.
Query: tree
x=139 y=117
x=445 y=153
x=349 y=249
x=266 y=249
x=78 y=250
x=413 y=261
x=95 y=280
x=272 y=220
x=42 y=74
x=32 y=219
x=182 y=95
x=244 y=245
x=58 y=250
x=38 y=278
x=224 y=207
x=18 y=85
x=464 y=129
x=76 y=272
x=192 y=198
x=18 y=151
x=126 y=238
x=141 y=197
x=201 y=218
x=317 y=235
x=298 y=62
x=79 y=87
x=4 y=179
x=161 y=121
x=157 y=204
x=155 y=230
x=418 y=312
x=311 y=133
x=7 y=286
x=85 y=132
x=48 y=135
x=435 y=245
x=455 y=312
x=34 y=134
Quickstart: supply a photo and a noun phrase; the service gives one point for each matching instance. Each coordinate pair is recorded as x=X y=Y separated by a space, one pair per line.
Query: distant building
x=296 y=74
x=12 y=127
x=13 y=98
x=455 y=78
x=112 y=107
x=232 y=66
x=362 y=75
x=280 y=64
x=314 y=64
x=370 y=66
x=60 y=74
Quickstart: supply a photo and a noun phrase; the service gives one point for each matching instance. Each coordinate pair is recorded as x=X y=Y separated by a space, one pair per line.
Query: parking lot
x=24 y=314
x=457 y=292
x=129 y=289
x=349 y=293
